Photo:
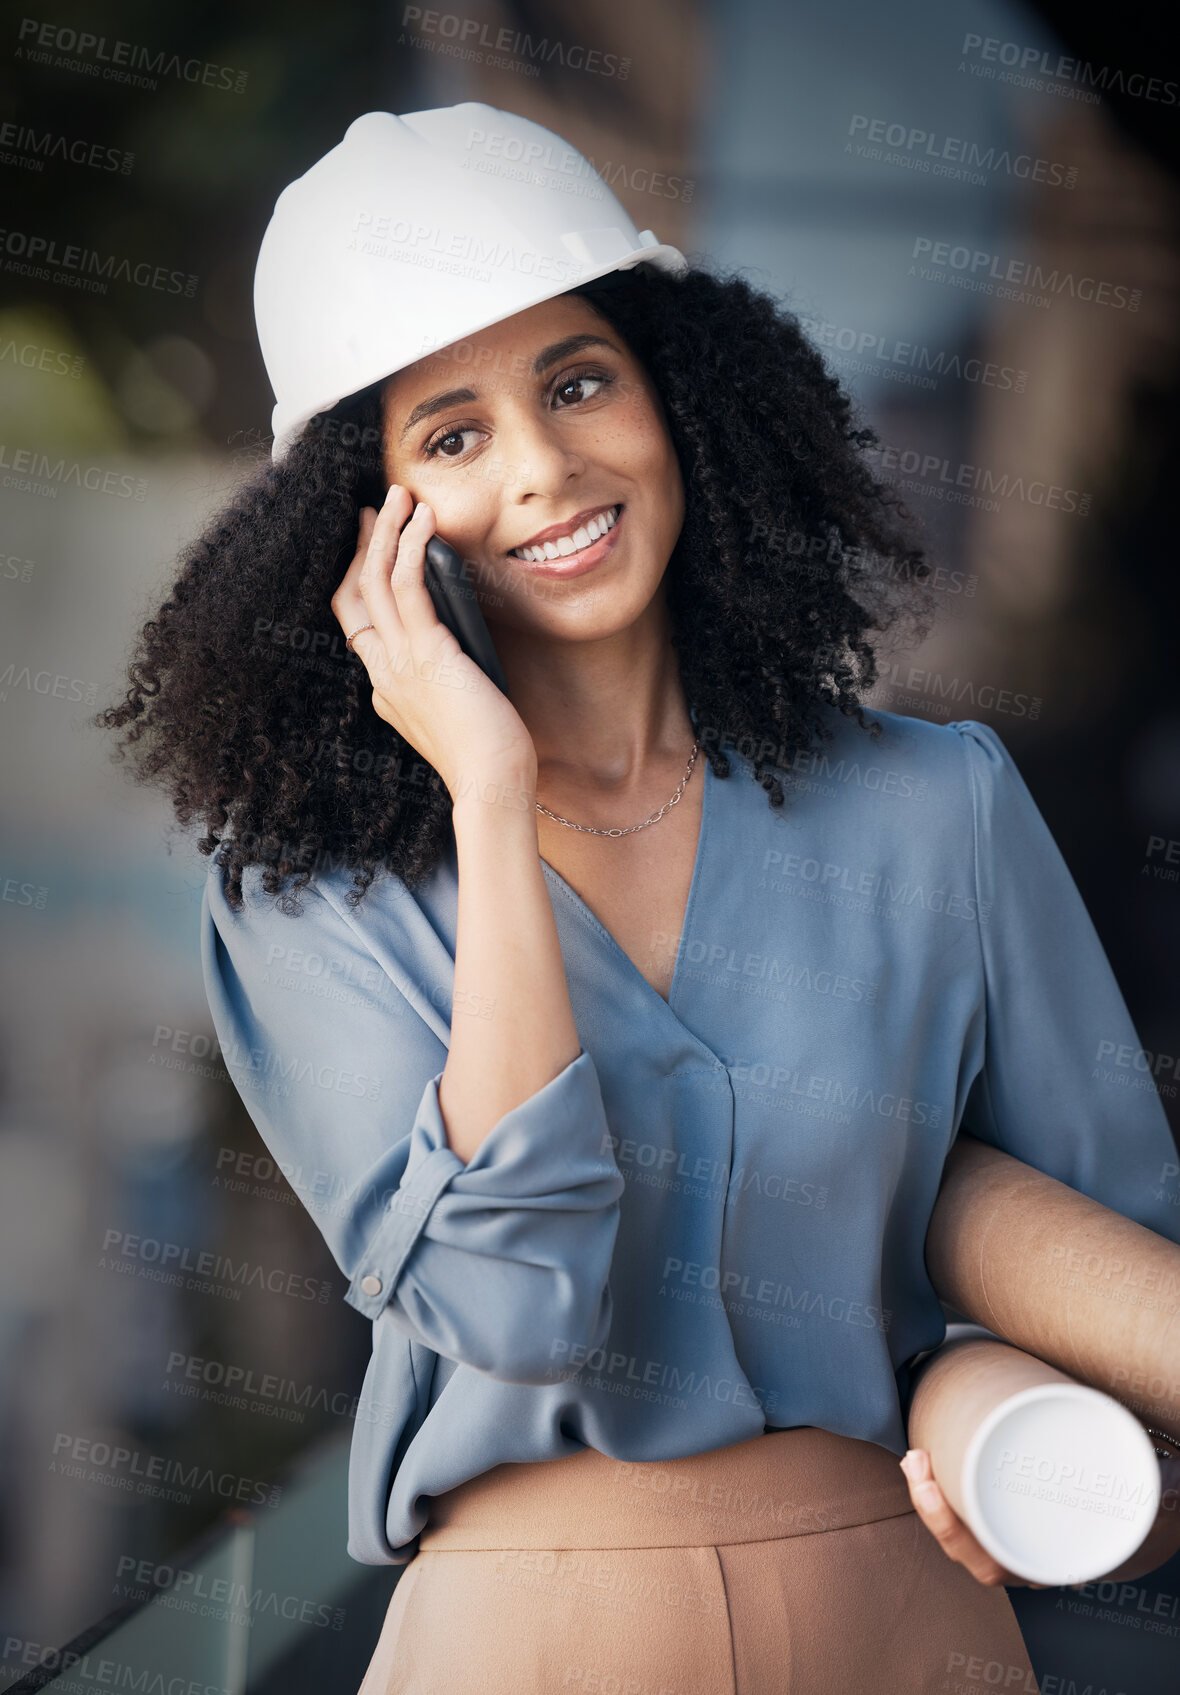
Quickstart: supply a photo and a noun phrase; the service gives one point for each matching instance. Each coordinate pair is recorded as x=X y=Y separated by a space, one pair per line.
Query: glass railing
x=261 y=1604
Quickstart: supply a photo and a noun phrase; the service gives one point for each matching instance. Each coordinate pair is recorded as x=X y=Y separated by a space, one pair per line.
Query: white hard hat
x=416 y=231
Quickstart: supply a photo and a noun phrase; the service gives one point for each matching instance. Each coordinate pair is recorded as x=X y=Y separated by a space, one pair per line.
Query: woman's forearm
x=512 y=1026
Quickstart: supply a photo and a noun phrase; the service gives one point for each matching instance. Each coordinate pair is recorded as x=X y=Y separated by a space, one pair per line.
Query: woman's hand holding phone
x=424 y=685
x=507 y=952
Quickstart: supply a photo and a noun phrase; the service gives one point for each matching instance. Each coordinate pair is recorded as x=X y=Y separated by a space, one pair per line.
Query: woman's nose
x=539 y=456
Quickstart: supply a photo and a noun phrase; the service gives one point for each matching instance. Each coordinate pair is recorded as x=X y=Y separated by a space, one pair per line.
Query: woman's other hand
x=432 y=693
x=948 y=1529
x=958 y=1543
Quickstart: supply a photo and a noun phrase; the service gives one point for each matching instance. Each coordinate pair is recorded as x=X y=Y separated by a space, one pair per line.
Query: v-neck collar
x=600 y=929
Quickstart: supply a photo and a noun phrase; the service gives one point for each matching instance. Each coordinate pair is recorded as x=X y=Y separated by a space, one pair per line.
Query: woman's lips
x=573 y=564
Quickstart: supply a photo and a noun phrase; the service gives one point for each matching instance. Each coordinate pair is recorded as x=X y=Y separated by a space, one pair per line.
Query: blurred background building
x=972 y=205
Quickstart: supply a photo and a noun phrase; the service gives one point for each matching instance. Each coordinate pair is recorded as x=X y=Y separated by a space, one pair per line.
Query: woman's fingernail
x=391 y=491
x=907 y=1464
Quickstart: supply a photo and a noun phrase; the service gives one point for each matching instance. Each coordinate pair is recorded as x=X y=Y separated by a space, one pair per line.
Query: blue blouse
x=712 y=1222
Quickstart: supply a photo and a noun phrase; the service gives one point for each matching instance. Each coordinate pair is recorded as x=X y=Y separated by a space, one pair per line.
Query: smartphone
x=458 y=608
x=455 y=601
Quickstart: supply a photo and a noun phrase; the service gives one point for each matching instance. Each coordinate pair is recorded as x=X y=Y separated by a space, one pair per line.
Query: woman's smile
x=575 y=549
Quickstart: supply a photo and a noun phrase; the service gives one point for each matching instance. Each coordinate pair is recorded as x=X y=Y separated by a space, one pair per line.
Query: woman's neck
x=604 y=716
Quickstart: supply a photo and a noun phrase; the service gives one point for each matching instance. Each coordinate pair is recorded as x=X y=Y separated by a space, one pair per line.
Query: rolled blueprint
x=1061 y=1277
x=1057 y=1481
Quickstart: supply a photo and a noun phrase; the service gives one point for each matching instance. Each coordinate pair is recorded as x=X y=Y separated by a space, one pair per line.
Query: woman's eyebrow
x=564 y=349
x=548 y=356
x=436 y=403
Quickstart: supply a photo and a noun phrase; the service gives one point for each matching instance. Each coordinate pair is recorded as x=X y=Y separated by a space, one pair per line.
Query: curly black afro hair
x=244 y=704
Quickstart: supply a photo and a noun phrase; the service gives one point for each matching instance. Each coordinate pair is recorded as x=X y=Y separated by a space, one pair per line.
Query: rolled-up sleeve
x=1060 y=1087
x=500 y=1263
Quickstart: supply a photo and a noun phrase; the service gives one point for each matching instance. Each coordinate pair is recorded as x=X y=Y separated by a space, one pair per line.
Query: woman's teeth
x=574 y=542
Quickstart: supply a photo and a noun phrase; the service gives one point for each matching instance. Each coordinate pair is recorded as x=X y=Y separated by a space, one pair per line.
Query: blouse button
x=370 y=1285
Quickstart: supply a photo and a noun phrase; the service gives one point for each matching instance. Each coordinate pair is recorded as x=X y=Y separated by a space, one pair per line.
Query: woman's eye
x=439 y=443
x=574 y=388
x=570 y=391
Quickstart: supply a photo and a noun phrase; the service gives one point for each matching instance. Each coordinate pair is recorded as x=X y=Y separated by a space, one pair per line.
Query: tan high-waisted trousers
x=791 y=1564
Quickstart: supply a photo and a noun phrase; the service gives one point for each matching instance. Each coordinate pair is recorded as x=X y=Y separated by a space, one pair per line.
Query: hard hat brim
x=288 y=428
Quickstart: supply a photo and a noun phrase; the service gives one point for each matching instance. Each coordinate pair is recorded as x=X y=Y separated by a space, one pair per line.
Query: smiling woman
x=753 y=534
x=664 y=1073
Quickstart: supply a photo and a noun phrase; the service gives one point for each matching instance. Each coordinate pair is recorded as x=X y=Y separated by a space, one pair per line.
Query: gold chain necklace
x=589 y=830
